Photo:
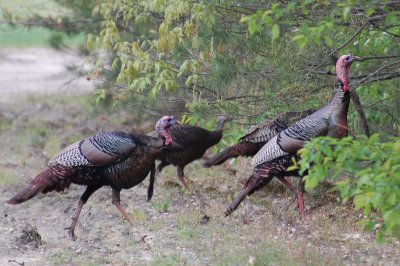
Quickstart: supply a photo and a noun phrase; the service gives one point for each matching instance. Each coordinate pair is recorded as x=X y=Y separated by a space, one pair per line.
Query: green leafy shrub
x=365 y=170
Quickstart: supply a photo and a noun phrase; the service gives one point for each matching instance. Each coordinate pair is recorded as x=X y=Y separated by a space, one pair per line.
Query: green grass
x=171 y=260
x=161 y=206
x=61 y=257
x=5 y=124
x=138 y=215
x=22 y=37
x=41 y=7
x=7 y=177
x=189 y=233
x=52 y=145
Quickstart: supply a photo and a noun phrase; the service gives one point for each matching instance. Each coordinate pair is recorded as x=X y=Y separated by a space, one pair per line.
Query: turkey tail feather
x=254 y=183
x=28 y=192
x=43 y=182
x=221 y=157
x=243 y=148
x=238 y=199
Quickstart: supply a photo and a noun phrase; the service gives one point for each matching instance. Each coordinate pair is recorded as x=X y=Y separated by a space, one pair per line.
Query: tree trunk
x=360 y=112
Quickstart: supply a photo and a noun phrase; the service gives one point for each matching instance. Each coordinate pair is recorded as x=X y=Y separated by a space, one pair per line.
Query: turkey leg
x=161 y=166
x=150 y=189
x=300 y=199
x=181 y=176
x=83 y=199
x=289 y=184
x=299 y=193
x=116 y=200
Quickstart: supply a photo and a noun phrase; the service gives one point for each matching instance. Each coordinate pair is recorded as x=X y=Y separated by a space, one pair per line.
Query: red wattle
x=167 y=137
x=346 y=87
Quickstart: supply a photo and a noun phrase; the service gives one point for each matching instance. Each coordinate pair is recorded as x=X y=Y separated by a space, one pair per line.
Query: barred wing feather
x=264 y=131
x=101 y=149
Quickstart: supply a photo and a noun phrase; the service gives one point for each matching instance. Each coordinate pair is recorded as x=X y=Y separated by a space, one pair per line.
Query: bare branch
x=375 y=73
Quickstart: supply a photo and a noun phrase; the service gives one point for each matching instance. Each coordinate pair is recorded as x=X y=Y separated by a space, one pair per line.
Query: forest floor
x=176 y=227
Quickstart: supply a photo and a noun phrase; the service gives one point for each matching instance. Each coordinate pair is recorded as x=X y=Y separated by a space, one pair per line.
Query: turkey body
x=116 y=159
x=119 y=169
x=276 y=155
x=257 y=136
x=193 y=142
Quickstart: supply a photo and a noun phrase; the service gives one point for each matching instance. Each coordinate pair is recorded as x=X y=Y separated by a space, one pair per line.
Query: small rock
x=205 y=219
x=252 y=260
x=29 y=236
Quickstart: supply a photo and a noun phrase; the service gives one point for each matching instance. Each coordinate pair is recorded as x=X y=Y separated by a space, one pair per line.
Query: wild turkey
x=257 y=136
x=194 y=142
x=276 y=155
x=114 y=159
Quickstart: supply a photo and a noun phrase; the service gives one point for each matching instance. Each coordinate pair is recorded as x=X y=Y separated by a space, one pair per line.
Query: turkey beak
x=175 y=122
x=354 y=58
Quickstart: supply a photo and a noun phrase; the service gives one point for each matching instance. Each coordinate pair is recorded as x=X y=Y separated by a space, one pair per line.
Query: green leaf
x=327 y=150
x=90 y=42
x=391 y=19
x=254 y=27
x=346 y=12
x=370 y=11
x=115 y=63
x=245 y=19
x=298 y=37
x=189 y=81
x=275 y=31
x=183 y=68
x=301 y=40
x=328 y=40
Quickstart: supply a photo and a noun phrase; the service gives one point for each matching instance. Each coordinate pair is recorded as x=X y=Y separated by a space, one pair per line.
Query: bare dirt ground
x=171 y=229
x=40 y=71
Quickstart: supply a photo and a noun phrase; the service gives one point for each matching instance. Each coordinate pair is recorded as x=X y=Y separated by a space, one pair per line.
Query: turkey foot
x=71 y=228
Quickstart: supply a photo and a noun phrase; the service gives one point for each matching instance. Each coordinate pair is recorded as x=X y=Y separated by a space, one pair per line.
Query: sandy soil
x=176 y=227
x=40 y=71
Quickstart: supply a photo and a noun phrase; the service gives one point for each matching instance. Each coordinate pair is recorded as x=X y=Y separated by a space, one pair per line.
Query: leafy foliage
x=368 y=28
x=243 y=58
x=198 y=52
x=366 y=170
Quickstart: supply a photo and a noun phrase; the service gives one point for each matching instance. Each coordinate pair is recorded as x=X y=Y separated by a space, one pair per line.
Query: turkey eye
x=169 y=119
x=347 y=58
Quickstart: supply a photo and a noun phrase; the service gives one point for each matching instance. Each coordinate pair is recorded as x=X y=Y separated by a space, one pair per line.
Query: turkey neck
x=338 y=109
x=215 y=137
x=341 y=100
